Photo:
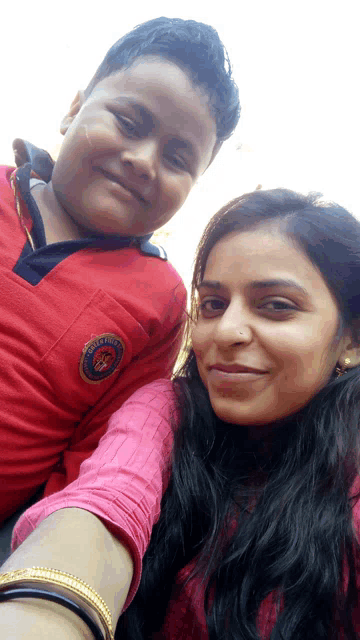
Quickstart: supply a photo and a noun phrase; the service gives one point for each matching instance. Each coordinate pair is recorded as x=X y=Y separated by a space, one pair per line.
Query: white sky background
x=296 y=65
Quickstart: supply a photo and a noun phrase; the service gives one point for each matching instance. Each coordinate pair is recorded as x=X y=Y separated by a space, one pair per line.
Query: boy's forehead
x=148 y=65
x=151 y=75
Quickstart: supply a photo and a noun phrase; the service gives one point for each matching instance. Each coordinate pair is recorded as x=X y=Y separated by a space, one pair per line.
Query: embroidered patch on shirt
x=101 y=357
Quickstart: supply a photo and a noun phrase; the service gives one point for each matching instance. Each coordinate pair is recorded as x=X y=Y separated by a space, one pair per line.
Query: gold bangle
x=67 y=581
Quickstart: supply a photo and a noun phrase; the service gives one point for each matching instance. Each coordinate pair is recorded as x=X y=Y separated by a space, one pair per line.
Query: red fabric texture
x=51 y=419
x=123 y=482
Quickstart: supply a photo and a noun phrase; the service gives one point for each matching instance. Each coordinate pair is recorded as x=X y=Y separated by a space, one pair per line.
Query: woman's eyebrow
x=277 y=282
x=258 y=284
x=209 y=284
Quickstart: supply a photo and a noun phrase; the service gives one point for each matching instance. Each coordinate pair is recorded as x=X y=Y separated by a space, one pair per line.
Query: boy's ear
x=75 y=107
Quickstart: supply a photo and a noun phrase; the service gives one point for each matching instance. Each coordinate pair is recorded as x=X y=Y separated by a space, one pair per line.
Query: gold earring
x=341 y=369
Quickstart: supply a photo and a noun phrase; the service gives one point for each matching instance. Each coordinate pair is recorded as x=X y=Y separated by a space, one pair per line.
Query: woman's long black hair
x=298 y=542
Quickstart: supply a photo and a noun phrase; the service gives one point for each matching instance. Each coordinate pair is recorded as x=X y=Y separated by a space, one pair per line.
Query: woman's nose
x=233 y=327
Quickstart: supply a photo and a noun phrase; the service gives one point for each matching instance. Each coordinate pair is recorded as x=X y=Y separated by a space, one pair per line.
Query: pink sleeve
x=123 y=481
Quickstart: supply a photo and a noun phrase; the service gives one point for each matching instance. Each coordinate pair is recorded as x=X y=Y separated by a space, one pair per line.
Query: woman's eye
x=278 y=305
x=211 y=306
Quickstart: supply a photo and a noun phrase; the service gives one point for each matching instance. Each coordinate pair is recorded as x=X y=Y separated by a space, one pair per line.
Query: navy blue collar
x=33 y=265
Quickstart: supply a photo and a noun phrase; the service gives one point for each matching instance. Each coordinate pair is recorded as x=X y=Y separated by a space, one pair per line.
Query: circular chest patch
x=101 y=357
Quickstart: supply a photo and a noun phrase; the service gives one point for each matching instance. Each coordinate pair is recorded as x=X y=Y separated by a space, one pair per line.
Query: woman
x=259 y=524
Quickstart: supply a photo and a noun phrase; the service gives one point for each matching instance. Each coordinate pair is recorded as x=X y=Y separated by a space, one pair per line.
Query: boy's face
x=134 y=149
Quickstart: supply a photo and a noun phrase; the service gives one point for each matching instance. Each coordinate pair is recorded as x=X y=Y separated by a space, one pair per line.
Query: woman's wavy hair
x=298 y=543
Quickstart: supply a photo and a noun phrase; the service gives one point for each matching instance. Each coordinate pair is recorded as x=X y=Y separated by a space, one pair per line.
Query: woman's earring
x=339 y=371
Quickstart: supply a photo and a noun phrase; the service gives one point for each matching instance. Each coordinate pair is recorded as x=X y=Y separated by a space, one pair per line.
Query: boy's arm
x=74 y=541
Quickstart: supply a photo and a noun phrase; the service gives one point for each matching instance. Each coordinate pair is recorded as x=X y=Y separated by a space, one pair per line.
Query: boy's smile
x=132 y=151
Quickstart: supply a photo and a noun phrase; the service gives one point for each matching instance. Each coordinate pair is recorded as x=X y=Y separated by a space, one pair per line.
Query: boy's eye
x=130 y=127
x=174 y=153
x=176 y=160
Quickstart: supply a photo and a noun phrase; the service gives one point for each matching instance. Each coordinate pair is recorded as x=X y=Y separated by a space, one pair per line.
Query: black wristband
x=59 y=598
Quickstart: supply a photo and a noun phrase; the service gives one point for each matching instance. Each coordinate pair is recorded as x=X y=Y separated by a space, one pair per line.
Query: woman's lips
x=235 y=373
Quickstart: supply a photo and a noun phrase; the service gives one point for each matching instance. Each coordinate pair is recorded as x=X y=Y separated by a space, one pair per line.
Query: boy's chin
x=112 y=228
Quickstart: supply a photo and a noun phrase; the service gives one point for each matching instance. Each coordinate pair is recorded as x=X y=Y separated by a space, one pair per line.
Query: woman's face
x=265 y=339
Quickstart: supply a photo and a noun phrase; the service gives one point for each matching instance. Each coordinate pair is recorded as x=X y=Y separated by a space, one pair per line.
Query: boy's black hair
x=193 y=46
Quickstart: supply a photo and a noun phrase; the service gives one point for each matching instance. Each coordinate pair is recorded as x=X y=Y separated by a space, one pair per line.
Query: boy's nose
x=141 y=158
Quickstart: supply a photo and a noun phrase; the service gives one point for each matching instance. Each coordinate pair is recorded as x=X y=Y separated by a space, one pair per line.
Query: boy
x=91 y=310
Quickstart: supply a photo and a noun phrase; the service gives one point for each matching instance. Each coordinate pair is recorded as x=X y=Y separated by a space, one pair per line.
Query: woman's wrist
x=62 y=588
x=58 y=541
x=41 y=620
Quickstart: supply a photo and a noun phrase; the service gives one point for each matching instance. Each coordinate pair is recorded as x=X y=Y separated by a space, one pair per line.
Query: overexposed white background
x=296 y=65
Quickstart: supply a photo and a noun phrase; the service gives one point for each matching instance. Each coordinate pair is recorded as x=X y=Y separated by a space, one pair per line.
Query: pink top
x=123 y=482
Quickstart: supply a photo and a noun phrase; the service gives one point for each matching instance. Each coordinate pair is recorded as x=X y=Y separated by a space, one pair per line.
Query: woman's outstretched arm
x=98 y=527
x=77 y=542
